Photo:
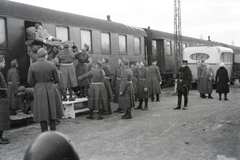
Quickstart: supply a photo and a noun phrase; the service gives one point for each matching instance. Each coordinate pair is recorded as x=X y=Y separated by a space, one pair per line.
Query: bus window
x=3 y=42
x=62 y=33
x=154 y=49
x=122 y=44
x=86 y=38
x=199 y=56
x=105 y=37
x=226 y=57
x=137 y=45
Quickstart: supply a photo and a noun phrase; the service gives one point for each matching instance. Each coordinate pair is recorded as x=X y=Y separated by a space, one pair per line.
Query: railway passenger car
x=103 y=36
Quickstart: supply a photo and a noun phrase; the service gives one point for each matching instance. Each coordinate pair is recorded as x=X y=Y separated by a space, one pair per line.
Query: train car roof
x=164 y=35
x=29 y=12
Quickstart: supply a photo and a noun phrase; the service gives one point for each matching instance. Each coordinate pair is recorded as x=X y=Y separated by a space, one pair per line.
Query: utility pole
x=177 y=33
x=177 y=37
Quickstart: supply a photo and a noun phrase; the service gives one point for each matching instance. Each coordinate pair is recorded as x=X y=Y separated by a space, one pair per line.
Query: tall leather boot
x=44 y=126
x=109 y=109
x=52 y=125
x=100 y=115
x=152 y=98
x=125 y=114
x=179 y=103
x=129 y=114
x=158 y=100
x=146 y=105
x=90 y=114
x=140 y=104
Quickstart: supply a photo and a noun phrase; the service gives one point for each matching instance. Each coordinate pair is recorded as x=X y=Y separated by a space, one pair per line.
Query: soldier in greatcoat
x=116 y=82
x=134 y=69
x=82 y=68
x=155 y=81
x=60 y=88
x=4 y=107
x=143 y=85
x=206 y=79
x=13 y=80
x=106 y=68
x=41 y=75
x=183 y=79
x=126 y=91
x=222 y=81
x=66 y=58
x=97 y=94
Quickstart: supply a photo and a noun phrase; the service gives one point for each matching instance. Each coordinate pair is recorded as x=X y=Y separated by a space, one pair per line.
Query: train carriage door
x=157 y=53
x=29 y=40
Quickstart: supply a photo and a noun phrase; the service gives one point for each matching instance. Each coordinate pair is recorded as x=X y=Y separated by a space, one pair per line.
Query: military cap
x=41 y=52
x=14 y=63
x=106 y=58
x=184 y=61
x=65 y=45
x=125 y=61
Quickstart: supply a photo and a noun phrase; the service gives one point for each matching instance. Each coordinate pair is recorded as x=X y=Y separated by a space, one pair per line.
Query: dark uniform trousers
x=184 y=92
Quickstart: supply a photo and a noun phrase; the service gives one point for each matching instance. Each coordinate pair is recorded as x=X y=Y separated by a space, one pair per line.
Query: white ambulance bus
x=213 y=55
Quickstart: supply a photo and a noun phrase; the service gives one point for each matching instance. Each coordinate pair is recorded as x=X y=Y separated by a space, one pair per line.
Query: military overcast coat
x=143 y=82
x=106 y=68
x=155 y=79
x=41 y=75
x=13 y=80
x=206 y=78
x=116 y=82
x=97 y=94
x=4 y=107
x=126 y=100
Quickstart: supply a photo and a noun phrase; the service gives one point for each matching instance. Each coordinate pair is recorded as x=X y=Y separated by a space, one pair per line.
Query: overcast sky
x=219 y=19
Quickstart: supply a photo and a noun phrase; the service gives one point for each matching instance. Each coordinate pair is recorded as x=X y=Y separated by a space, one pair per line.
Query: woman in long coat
x=143 y=85
x=13 y=84
x=126 y=91
x=4 y=107
x=41 y=75
x=155 y=81
x=222 y=81
x=205 y=85
x=97 y=94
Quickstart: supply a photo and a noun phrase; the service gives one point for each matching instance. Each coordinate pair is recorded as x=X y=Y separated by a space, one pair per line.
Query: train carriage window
x=137 y=45
x=3 y=42
x=154 y=49
x=122 y=44
x=86 y=38
x=105 y=37
x=169 y=48
x=62 y=33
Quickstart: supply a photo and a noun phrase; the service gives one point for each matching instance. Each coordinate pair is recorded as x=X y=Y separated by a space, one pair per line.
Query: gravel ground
x=208 y=130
